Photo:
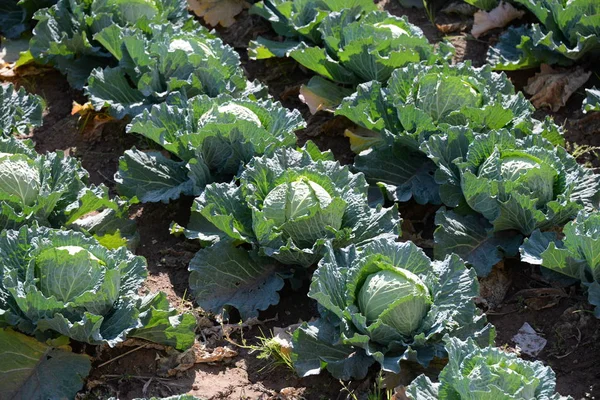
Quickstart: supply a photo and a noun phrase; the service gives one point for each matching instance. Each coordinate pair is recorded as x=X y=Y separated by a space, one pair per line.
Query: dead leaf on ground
x=540 y=298
x=91 y=122
x=289 y=393
x=315 y=102
x=177 y=362
x=16 y=60
x=453 y=27
x=493 y=288
x=499 y=17
x=217 y=12
x=553 y=87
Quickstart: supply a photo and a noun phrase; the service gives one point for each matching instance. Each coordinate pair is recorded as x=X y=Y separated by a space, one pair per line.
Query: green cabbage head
x=62 y=282
x=385 y=302
x=475 y=373
x=289 y=204
x=525 y=184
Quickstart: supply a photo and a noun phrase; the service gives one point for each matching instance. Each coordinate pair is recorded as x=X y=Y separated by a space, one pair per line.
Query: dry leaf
x=178 y=362
x=499 y=17
x=13 y=63
x=91 y=122
x=452 y=27
x=217 y=12
x=493 y=288
x=552 y=88
x=283 y=337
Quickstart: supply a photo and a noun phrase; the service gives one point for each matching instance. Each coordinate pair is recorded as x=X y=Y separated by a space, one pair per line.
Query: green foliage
x=16 y=15
x=19 y=111
x=476 y=373
x=213 y=138
x=576 y=255
x=33 y=370
x=567 y=32
x=68 y=34
x=56 y=282
x=285 y=206
x=385 y=302
x=52 y=190
x=517 y=185
x=173 y=61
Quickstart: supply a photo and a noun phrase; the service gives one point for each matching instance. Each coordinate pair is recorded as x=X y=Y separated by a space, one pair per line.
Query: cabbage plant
x=66 y=34
x=575 y=253
x=282 y=210
x=55 y=282
x=386 y=302
x=420 y=101
x=299 y=20
x=516 y=186
x=52 y=190
x=475 y=373
x=172 y=60
x=210 y=139
x=19 y=111
x=568 y=31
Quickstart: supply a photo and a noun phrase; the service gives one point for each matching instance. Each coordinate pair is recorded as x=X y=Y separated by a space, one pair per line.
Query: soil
x=565 y=320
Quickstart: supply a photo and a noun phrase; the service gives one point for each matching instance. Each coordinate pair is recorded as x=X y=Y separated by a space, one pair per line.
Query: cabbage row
x=267 y=212
x=66 y=275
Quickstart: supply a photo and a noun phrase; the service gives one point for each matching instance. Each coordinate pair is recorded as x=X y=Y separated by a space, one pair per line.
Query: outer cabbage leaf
x=52 y=190
x=577 y=255
x=567 y=32
x=225 y=276
x=592 y=101
x=286 y=207
x=33 y=370
x=345 y=332
x=66 y=35
x=172 y=61
x=19 y=111
x=63 y=282
x=473 y=238
x=16 y=15
x=213 y=137
x=474 y=373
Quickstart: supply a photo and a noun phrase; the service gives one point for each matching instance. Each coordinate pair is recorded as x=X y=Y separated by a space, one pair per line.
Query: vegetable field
x=301 y=199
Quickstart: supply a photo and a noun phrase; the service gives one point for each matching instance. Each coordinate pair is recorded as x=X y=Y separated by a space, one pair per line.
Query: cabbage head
x=506 y=188
x=66 y=34
x=55 y=282
x=212 y=138
x=385 y=302
x=567 y=32
x=475 y=373
x=525 y=184
x=283 y=209
x=52 y=190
